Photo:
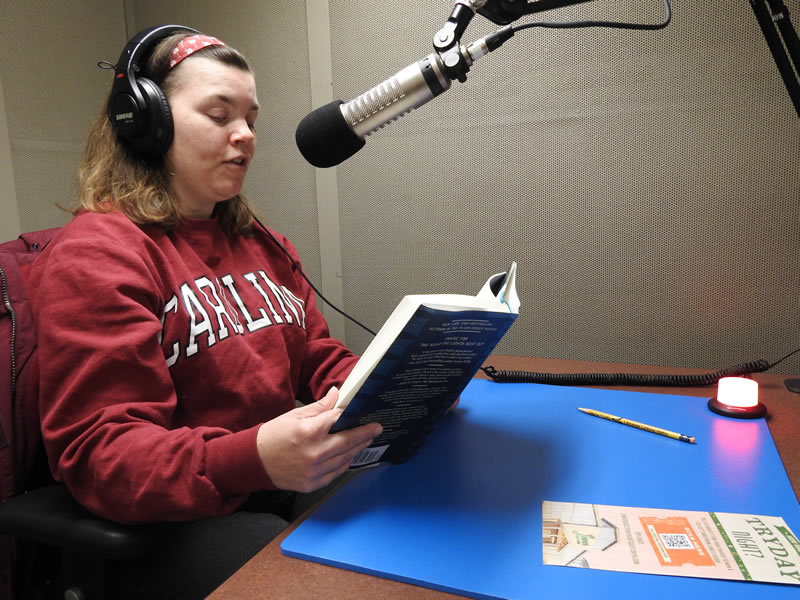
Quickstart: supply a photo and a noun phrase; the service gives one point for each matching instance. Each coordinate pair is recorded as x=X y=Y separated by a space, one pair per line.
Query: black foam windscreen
x=324 y=138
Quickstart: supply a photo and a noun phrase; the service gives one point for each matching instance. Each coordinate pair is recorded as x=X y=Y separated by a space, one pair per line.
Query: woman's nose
x=243 y=133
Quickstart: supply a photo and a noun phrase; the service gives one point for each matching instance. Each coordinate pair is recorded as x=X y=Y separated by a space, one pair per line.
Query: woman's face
x=214 y=109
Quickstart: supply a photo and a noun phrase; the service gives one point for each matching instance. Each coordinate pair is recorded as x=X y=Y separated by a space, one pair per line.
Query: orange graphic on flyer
x=675 y=542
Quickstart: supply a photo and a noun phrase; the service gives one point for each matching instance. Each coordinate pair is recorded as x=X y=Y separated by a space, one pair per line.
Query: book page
x=670 y=542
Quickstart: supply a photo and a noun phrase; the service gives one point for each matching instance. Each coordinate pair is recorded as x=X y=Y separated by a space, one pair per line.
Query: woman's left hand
x=299 y=454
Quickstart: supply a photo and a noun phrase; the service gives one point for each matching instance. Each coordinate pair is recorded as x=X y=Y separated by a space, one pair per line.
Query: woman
x=175 y=334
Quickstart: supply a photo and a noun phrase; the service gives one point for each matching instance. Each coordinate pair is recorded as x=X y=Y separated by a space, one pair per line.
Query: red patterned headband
x=190 y=45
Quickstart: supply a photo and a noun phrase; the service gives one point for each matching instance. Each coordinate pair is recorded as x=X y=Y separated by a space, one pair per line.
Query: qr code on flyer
x=676 y=541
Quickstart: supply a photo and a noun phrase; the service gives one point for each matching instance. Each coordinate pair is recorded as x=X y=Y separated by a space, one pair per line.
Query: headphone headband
x=137 y=108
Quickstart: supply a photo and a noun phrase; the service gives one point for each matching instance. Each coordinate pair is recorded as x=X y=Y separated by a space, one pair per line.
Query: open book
x=419 y=363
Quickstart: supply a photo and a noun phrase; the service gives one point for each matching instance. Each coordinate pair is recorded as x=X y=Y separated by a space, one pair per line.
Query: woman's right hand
x=299 y=454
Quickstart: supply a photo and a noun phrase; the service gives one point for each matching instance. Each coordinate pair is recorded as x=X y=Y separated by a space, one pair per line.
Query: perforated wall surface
x=646 y=183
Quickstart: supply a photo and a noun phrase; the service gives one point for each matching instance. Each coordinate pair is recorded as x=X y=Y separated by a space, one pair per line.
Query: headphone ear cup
x=156 y=136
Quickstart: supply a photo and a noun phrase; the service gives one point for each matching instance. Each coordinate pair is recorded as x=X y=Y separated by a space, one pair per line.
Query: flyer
x=670 y=542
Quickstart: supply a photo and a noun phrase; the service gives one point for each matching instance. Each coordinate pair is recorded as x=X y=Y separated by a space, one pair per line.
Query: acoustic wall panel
x=647 y=182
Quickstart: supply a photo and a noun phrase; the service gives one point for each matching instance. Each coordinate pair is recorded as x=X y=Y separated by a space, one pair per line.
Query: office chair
x=88 y=545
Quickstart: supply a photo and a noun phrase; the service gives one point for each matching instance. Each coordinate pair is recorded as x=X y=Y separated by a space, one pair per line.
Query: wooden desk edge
x=270 y=574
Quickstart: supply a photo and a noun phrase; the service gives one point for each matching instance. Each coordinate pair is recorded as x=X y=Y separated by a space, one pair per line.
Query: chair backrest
x=20 y=433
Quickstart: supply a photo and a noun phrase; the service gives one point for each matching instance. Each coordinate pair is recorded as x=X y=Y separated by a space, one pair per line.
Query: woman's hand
x=299 y=454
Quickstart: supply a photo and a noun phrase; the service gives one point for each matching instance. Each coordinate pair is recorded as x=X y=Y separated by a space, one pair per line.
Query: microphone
x=336 y=131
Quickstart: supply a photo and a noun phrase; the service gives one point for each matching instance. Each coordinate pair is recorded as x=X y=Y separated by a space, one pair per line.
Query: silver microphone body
x=334 y=132
x=404 y=91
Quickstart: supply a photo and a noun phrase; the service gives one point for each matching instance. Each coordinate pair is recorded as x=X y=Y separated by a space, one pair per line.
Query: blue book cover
x=420 y=362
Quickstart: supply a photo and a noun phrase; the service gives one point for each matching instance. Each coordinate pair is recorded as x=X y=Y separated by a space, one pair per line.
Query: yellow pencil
x=642 y=426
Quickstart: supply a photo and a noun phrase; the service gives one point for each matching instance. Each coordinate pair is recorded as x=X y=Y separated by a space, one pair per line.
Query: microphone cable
x=299 y=269
x=614 y=24
x=672 y=380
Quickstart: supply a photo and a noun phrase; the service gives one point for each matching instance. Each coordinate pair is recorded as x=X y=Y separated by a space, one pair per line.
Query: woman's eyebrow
x=228 y=100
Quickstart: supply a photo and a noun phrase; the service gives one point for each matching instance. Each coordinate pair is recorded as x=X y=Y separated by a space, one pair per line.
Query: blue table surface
x=464 y=515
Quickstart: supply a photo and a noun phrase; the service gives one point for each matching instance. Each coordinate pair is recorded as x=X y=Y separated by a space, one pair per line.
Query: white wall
x=52 y=91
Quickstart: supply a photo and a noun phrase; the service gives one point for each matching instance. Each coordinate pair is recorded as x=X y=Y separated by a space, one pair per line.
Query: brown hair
x=112 y=177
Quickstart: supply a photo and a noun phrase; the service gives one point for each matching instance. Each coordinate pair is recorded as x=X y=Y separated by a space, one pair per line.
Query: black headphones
x=137 y=108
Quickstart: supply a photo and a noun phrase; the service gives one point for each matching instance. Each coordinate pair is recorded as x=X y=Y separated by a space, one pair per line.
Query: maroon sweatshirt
x=160 y=355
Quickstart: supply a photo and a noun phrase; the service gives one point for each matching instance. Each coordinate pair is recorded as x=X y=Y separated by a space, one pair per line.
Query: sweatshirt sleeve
x=107 y=400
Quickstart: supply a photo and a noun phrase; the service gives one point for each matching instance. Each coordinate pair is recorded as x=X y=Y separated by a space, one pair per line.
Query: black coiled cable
x=675 y=380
